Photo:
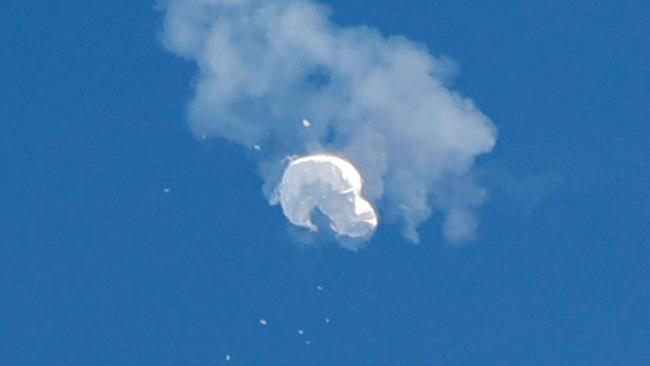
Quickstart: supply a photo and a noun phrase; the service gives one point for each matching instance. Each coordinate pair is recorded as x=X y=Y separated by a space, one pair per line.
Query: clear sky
x=100 y=266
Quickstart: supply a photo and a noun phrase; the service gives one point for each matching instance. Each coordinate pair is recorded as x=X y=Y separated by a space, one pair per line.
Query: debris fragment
x=228 y=358
x=167 y=190
x=288 y=159
x=327 y=320
x=301 y=332
x=263 y=322
x=306 y=123
x=257 y=147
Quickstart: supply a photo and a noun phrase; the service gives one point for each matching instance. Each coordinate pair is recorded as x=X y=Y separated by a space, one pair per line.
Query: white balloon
x=331 y=185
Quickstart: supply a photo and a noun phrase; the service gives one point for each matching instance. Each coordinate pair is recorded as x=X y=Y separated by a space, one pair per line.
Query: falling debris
x=308 y=342
x=327 y=320
x=257 y=147
x=319 y=288
x=306 y=123
x=228 y=358
x=288 y=159
x=301 y=332
x=167 y=190
x=204 y=137
x=263 y=322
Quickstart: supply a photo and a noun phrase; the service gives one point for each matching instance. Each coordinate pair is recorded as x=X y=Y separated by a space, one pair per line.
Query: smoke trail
x=380 y=102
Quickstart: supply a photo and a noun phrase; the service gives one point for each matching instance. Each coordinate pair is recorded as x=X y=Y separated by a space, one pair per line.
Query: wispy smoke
x=380 y=102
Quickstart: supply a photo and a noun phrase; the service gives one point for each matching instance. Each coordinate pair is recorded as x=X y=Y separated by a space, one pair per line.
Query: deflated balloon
x=331 y=185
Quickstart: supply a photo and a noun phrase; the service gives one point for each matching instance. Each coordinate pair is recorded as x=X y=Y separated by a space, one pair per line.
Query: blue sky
x=99 y=266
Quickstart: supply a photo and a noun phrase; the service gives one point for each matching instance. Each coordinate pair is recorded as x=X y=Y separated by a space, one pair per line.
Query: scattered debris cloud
x=383 y=103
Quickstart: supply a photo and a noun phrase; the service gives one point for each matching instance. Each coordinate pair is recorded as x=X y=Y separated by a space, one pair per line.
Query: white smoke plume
x=265 y=66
